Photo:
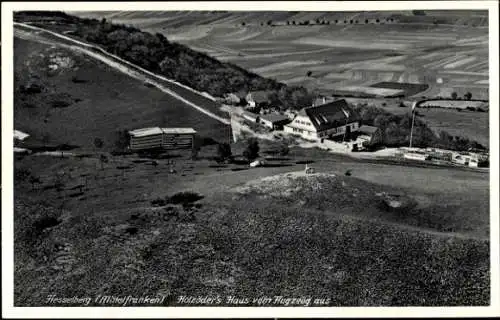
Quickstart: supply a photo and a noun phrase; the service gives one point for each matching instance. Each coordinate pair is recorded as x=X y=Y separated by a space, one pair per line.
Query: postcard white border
x=258 y=312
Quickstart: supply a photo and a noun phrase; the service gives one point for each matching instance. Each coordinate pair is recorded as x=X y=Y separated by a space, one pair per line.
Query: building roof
x=19 y=135
x=250 y=114
x=367 y=129
x=274 y=117
x=157 y=130
x=145 y=132
x=179 y=130
x=330 y=115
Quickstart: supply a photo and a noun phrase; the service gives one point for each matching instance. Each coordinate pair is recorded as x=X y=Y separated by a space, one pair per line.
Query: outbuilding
x=370 y=135
x=250 y=116
x=162 y=138
x=274 y=121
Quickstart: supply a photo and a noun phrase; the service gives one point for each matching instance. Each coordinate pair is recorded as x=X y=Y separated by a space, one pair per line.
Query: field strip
x=282 y=54
x=465 y=73
x=127 y=70
x=459 y=63
x=284 y=65
x=479 y=64
x=445 y=61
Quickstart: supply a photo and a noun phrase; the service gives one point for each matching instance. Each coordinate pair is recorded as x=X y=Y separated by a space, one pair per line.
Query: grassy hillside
x=84 y=99
x=269 y=237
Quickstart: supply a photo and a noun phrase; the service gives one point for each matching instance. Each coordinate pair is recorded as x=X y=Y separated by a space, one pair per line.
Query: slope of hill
x=81 y=99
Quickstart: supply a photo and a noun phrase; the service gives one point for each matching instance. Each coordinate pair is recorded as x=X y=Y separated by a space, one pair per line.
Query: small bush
x=60 y=104
x=185 y=197
x=252 y=150
x=75 y=79
x=158 y=202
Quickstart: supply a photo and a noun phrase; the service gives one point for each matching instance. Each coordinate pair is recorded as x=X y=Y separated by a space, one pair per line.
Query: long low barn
x=166 y=138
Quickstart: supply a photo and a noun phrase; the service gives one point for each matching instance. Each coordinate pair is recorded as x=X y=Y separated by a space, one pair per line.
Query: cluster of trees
x=467 y=96
x=251 y=151
x=395 y=131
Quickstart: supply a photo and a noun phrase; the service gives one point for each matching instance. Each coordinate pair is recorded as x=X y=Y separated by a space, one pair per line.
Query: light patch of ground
x=59 y=61
x=285 y=184
x=19 y=135
x=371 y=90
x=194 y=33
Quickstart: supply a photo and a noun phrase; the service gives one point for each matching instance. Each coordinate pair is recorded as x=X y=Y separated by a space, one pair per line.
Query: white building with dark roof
x=324 y=121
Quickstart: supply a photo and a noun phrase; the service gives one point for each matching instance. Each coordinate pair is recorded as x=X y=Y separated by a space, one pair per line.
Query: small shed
x=165 y=138
x=274 y=121
x=371 y=135
x=146 y=138
x=250 y=116
x=178 y=138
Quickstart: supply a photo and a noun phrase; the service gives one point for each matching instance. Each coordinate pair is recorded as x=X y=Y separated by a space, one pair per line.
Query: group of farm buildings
x=320 y=121
x=323 y=120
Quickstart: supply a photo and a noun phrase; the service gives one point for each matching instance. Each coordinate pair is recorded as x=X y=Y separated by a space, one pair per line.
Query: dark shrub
x=484 y=164
x=45 y=222
x=252 y=150
x=60 y=104
x=185 y=197
x=158 y=202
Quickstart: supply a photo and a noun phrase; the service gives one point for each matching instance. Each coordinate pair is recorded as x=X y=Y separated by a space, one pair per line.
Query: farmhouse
x=165 y=138
x=274 y=121
x=328 y=120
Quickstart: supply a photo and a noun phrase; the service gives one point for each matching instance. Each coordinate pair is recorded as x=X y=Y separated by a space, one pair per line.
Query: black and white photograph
x=293 y=156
